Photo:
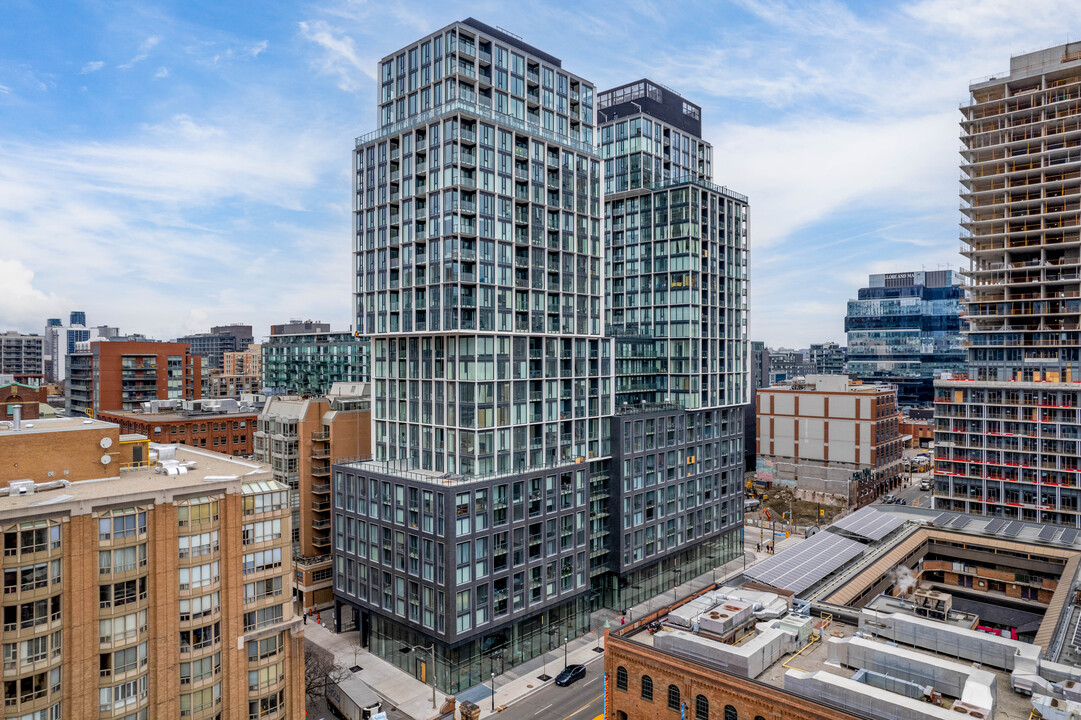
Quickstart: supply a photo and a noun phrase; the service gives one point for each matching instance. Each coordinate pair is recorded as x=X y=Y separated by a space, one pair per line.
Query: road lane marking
x=567 y=717
x=589 y=681
x=543 y=709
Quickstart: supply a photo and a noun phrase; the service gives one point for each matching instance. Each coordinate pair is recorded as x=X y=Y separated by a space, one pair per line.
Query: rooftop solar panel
x=943 y=520
x=960 y=521
x=869 y=523
x=803 y=565
x=1047 y=533
x=994 y=526
x=1012 y=529
x=1068 y=536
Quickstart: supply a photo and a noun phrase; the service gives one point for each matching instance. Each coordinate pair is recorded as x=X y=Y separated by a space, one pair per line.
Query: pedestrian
x=758 y=547
x=305 y=619
x=623 y=620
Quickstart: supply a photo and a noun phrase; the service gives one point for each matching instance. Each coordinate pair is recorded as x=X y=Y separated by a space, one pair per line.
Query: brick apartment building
x=105 y=376
x=814 y=434
x=301 y=438
x=229 y=433
x=70 y=449
x=98 y=576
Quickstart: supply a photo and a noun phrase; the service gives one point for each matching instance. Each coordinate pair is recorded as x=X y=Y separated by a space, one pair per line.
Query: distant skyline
x=170 y=166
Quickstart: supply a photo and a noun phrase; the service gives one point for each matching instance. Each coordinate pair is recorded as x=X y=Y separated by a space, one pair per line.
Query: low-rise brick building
x=226 y=431
x=25 y=397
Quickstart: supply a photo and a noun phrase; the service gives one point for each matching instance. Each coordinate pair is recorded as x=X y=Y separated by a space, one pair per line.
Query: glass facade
x=904 y=328
x=309 y=363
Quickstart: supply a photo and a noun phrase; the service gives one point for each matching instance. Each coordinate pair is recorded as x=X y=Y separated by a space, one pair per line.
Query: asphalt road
x=584 y=700
x=912 y=493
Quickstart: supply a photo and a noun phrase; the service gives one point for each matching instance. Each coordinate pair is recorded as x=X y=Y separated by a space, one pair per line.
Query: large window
x=198 y=511
x=262 y=560
x=118 y=524
x=621 y=678
x=199 y=670
x=730 y=713
x=262 y=617
x=198 y=576
x=701 y=708
x=196 y=545
x=647 y=687
x=673 y=697
x=199 y=607
x=200 y=700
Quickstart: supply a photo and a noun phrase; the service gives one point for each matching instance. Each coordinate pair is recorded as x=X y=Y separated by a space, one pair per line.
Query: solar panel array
x=1068 y=536
x=960 y=521
x=1076 y=642
x=803 y=565
x=1047 y=533
x=1012 y=529
x=943 y=520
x=994 y=526
x=869 y=523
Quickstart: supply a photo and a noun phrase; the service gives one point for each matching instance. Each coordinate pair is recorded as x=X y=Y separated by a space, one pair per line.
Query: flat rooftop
x=813 y=654
x=60 y=424
x=204 y=470
x=178 y=416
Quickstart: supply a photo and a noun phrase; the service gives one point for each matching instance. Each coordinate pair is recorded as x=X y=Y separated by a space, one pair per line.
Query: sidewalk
x=414 y=698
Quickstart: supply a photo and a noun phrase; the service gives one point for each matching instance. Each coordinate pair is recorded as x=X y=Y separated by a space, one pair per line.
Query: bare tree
x=356 y=646
x=320 y=670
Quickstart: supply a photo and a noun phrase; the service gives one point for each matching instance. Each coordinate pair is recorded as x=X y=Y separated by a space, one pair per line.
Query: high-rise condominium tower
x=1008 y=435
x=497 y=511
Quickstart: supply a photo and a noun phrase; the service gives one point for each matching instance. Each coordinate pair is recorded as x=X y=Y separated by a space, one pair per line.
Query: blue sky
x=167 y=166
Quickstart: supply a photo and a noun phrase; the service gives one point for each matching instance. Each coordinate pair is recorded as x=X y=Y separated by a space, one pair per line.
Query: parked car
x=902 y=501
x=570 y=674
x=889 y=499
x=925 y=485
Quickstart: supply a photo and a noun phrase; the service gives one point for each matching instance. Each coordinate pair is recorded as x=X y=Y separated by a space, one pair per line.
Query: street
x=584 y=700
x=912 y=493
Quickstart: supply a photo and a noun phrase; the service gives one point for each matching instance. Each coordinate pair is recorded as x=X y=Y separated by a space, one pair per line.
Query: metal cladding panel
x=800 y=567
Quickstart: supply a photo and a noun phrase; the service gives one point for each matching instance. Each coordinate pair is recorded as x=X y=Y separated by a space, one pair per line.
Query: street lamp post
x=431 y=651
x=566 y=644
x=493 y=692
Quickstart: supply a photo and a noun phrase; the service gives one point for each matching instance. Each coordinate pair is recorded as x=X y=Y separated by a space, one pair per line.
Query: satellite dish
x=106 y=443
x=105 y=459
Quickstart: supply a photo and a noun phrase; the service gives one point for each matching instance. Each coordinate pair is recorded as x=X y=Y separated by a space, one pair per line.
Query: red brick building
x=22 y=396
x=120 y=375
x=229 y=433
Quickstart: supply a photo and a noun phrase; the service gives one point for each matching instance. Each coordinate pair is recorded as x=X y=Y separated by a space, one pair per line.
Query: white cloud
x=144 y=51
x=22 y=304
x=92 y=67
x=339 y=57
x=5 y=89
x=163 y=72
x=257 y=48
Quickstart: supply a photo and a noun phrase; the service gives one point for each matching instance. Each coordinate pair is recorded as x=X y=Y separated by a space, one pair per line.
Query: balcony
x=321 y=523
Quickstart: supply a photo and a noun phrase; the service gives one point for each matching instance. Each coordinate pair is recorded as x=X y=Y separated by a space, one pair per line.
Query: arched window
x=673 y=697
x=701 y=708
x=621 y=678
x=647 y=687
x=730 y=713
x=759 y=717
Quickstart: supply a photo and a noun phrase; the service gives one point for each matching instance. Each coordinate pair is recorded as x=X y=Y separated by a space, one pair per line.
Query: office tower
x=309 y=362
x=77 y=317
x=676 y=305
x=478 y=255
x=788 y=364
x=301 y=438
x=154 y=590
x=905 y=327
x=120 y=375
x=23 y=356
x=60 y=342
x=213 y=345
x=759 y=378
x=1006 y=437
x=828 y=358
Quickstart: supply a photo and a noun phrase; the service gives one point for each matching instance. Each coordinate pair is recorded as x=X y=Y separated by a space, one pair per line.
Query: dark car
x=570 y=674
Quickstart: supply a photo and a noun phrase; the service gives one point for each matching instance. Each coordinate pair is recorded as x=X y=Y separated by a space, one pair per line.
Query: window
x=262 y=560
x=647 y=687
x=730 y=713
x=118 y=524
x=32 y=537
x=197 y=511
x=198 y=576
x=122 y=661
x=265 y=677
x=122 y=628
x=196 y=545
x=121 y=593
x=200 y=700
x=701 y=708
x=122 y=695
x=122 y=559
x=200 y=637
x=261 y=589
x=621 y=678
x=267 y=647
x=199 y=607
x=199 y=670
x=266 y=706
x=673 y=697
x=262 y=617
x=262 y=531
x=263 y=502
